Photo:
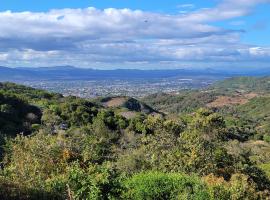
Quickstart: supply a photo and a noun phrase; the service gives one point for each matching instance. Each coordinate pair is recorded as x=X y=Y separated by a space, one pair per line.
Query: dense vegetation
x=55 y=147
x=258 y=84
x=185 y=102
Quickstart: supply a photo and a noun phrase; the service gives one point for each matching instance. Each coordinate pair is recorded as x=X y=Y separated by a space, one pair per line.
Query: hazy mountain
x=73 y=73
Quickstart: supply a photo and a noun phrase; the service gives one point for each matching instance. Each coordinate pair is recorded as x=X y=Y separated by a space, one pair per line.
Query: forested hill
x=209 y=144
x=244 y=84
x=233 y=91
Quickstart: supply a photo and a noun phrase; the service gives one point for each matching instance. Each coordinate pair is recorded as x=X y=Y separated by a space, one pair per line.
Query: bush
x=14 y=191
x=95 y=182
x=239 y=187
x=266 y=138
x=217 y=187
x=44 y=161
x=242 y=188
x=266 y=168
x=160 y=186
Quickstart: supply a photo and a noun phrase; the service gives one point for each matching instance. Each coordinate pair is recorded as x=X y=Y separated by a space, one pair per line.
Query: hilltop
x=244 y=85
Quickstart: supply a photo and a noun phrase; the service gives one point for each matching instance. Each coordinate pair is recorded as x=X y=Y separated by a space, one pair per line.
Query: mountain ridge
x=74 y=73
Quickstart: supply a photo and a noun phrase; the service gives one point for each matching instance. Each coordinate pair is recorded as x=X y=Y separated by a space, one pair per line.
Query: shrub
x=94 y=182
x=217 y=187
x=266 y=138
x=242 y=188
x=160 y=186
x=239 y=187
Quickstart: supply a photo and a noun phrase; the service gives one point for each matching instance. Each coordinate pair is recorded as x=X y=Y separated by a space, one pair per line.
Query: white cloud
x=186 y=6
x=259 y=52
x=91 y=23
x=227 y=9
x=93 y=37
x=3 y=56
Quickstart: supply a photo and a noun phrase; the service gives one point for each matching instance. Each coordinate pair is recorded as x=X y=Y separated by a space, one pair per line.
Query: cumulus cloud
x=92 y=37
x=62 y=27
x=227 y=9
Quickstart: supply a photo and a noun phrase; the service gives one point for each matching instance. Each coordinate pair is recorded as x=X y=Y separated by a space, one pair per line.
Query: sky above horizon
x=142 y=34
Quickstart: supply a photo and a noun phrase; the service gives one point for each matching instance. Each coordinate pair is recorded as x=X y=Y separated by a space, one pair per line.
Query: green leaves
x=160 y=186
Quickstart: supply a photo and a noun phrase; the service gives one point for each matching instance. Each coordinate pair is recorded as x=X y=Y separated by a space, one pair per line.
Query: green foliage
x=217 y=187
x=238 y=187
x=266 y=168
x=246 y=84
x=13 y=191
x=159 y=186
x=27 y=93
x=95 y=182
x=42 y=160
x=76 y=112
x=201 y=140
x=185 y=102
x=242 y=188
x=16 y=115
x=266 y=138
x=137 y=124
x=111 y=120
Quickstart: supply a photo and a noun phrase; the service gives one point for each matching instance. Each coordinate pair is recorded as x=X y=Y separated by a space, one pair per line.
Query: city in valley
x=133 y=87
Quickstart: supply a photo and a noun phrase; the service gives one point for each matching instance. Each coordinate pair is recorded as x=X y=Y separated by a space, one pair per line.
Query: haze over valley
x=90 y=83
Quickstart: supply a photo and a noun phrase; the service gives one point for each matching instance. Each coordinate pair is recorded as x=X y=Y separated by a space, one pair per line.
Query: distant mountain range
x=73 y=73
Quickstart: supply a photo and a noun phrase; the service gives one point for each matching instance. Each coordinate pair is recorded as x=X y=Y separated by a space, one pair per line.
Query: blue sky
x=135 y=33
x=149 y=5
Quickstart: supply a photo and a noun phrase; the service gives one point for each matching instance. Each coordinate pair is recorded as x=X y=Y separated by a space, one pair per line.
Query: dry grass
x=222 y=101
x=115 y=102
x=128 y=114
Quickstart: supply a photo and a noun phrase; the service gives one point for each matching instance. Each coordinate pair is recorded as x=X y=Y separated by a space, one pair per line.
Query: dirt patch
x=115 y=102
x=258 y=142
x=222 y=101
x=128 y=114
x=251 y=95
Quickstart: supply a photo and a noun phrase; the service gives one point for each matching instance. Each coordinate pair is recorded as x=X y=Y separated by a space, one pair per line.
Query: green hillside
x=245 y=84
x=185 y=102
x=74 y=148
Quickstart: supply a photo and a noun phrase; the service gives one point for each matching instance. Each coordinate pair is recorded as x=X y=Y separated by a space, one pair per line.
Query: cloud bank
x=122 y=37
